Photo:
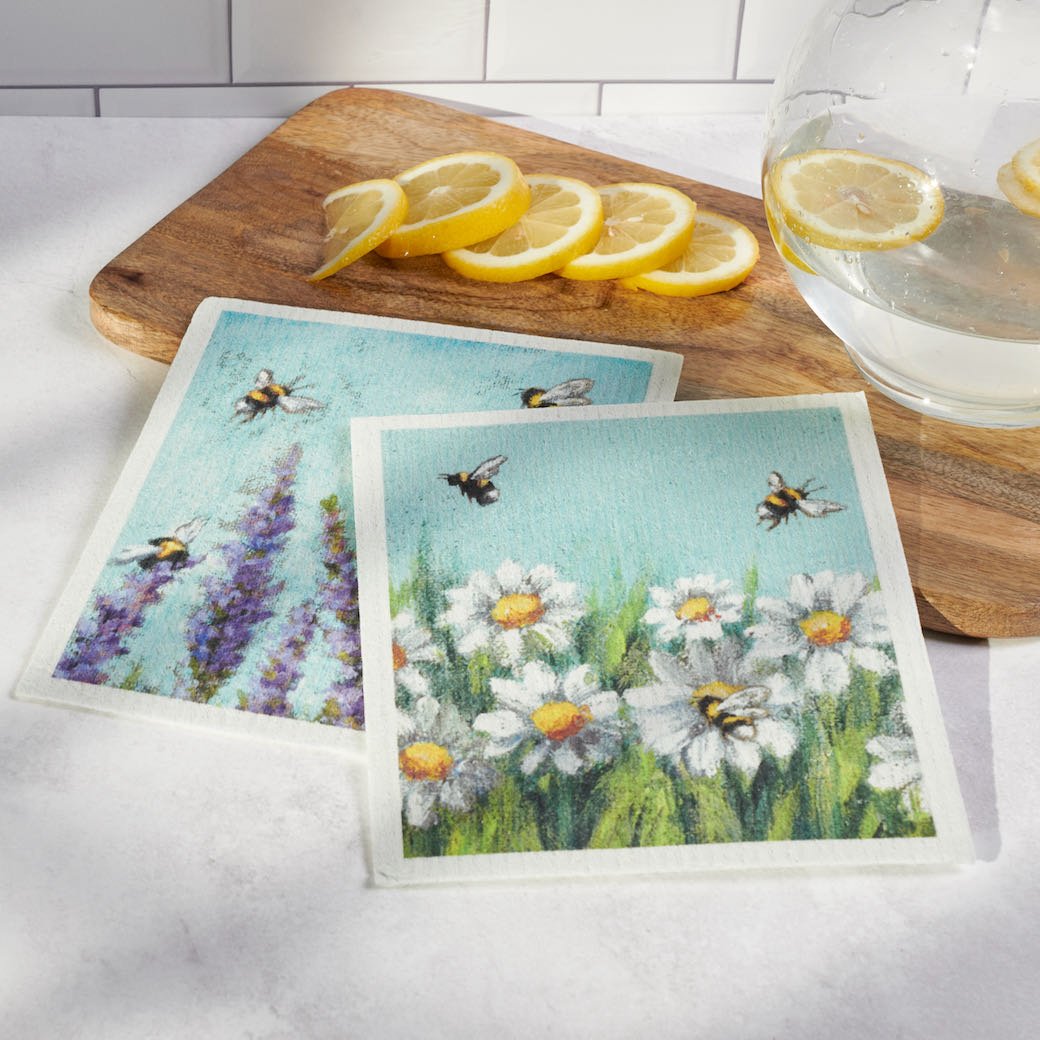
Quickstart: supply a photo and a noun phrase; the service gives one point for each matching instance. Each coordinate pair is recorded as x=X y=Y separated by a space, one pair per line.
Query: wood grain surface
x=967 y=500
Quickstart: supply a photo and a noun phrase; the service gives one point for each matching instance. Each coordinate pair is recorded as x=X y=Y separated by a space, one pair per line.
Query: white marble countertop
x=162 y=882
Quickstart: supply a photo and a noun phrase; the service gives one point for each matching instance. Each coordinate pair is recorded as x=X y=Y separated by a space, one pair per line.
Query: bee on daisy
x=713 y=707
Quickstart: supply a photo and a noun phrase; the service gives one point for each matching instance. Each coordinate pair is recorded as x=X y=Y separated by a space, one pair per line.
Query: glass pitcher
x=937 y=103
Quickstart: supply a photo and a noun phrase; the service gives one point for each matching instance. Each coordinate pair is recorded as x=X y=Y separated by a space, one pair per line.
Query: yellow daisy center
x=518 y=610
x=826 y=627
x=425 y=761
x=559 y=720
x=697 y=608
x=400 y=656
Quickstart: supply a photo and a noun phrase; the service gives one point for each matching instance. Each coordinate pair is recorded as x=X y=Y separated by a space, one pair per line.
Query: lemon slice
x=645 y=226
x=456 y=201
x=1026 y=162
x=358 y=218
x=563 y=221
x=777 y=228
x=1017 y=194
x=720 y=255
x=844 y=199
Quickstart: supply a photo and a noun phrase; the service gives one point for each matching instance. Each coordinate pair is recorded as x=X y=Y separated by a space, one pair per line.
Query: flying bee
x=563 y=395
x=168 y=548
x=782 y=501
x=476 y=485
x=266 y=394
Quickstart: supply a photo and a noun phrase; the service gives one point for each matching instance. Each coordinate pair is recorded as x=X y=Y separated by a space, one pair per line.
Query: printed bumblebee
x=267 y=394
x=168 y=548
x=563 y=395
x=476 y=485
x=734 y=715
x=782 y=501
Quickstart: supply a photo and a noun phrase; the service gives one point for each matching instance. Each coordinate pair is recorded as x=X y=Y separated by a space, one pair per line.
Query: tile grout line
x=736 y=45
x=230 y=46
x=97 y=102
x=403 y=82
x=487 y=27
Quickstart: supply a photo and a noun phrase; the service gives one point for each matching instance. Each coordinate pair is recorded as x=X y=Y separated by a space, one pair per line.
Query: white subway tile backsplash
x=611 y=40
x=275 y=102
x=682 y=98
x=356 y=40
x=68 y=42
x=43 y=102
x=768 y=33
x=532 y=99
x=267 y=58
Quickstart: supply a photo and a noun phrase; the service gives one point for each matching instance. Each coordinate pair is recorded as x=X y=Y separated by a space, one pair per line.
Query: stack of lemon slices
x=490 y=222
x=1019 y=179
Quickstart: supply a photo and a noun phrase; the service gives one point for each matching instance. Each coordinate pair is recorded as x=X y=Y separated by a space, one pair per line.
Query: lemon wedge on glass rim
x=563 y=221
x=358 y=218
x=457 y=200
x=645 y=226
x=840 y=198
x=720 y=255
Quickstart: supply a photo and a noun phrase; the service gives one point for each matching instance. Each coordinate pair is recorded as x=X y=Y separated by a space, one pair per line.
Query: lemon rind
x=391 y=215
x=592 y=267
x=721 y=279
x=574 y=242
x=504 y=204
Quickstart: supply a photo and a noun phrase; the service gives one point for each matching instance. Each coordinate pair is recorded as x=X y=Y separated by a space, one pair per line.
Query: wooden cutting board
x=967 y=500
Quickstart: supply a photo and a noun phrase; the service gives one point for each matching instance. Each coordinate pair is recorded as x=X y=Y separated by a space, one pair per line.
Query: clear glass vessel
x=948 y=324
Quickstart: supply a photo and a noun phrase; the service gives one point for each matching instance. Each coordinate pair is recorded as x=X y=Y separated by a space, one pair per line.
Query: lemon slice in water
x=844 y=199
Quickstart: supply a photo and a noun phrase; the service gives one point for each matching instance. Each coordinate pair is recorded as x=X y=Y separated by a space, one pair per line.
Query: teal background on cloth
x=663 y=498
x=212 y=465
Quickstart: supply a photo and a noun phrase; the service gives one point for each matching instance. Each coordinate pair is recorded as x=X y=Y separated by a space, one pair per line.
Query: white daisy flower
x=827 y=622
x=411 y=645
x=504 y=611
x=439 y=762
x=693 y=608
x=571 y=720
x=712 y=708
x=898 y=767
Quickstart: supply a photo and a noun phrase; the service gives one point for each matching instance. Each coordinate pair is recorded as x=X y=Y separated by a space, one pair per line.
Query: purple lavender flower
x=101 y=635
x=344 y=701
x=236 y=603
x=282 y=672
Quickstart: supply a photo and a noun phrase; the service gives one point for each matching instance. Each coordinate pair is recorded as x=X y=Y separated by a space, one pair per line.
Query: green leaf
x=636 y=804
x=750 y=595
x=870 y=823
x=715 y=819
x=503 y=823
x=781 y=826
